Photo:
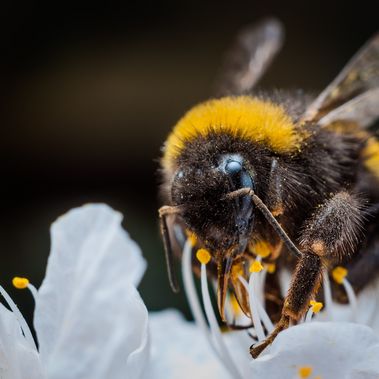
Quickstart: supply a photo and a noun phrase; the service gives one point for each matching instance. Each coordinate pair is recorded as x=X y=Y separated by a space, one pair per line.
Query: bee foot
x=256 y=349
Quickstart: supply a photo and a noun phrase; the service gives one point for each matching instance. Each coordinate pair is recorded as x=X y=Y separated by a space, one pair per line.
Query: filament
x=192 y=297
x=215 y=330
x=352 y=298
x=19 y=317
x=253 y=308
x=328 y=295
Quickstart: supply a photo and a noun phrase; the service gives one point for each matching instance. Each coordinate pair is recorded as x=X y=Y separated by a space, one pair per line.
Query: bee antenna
x=269 y=217
x=169 y=255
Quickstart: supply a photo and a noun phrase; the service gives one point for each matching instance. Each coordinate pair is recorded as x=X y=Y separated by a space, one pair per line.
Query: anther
x=262 y=249
x=192 y=239
x=339 y=274
x=316 y=306
x=256 y=266
x=270 y=267
x=305 y=372
x=20 y=283
x=203 y=256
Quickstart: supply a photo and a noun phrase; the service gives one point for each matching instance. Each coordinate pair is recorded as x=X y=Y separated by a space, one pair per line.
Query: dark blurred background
x=89 y=93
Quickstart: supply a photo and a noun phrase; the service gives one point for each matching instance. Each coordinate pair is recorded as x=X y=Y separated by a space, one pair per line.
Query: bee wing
x=249 y=57
x=352 y=87
x=364 y=109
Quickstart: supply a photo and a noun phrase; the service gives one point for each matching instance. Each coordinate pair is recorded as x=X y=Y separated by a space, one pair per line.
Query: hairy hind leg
x=329 y=235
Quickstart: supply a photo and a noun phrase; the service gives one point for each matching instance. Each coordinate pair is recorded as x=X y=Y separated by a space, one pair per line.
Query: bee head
x=221 y=223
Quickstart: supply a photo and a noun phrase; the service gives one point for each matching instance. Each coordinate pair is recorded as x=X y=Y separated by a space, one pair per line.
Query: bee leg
x=329 y=235
x=164 y=212
x=305 y=283
x=257 y=348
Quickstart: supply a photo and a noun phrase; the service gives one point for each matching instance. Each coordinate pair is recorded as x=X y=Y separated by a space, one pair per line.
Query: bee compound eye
x=233 y=167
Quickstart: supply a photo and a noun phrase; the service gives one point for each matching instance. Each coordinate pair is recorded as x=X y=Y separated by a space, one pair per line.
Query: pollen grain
x=203 y=256
x=20 y=283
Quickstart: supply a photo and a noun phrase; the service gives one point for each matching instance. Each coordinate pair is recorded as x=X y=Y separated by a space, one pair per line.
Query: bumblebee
x=280 y=171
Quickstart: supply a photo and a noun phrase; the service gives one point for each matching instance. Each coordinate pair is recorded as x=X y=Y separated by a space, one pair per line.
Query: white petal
x=180 y=350
x=367 y=306
x=89 y=318
x=333 y=350
x=18 y=360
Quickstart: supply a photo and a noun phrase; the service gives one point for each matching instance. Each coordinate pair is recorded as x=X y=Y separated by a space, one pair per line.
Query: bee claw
x=257 y=348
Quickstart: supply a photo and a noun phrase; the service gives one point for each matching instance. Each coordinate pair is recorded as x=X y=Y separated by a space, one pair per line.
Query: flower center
x=262 y=324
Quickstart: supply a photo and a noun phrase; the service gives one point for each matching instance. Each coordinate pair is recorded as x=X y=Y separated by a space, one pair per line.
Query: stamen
x=339 y=275
x=213 y=324
x=352 y=298
x=192 y=239
x=254 y=307
x=316 y=307
x=261 y=249
x=203 y=256
x=328 y=295
x=19 y=317
x=20 y=283
x=261 y=286
x=192 y=297
x=256 y=266
x=270 y=267
x=33 y=291
x=305 y=372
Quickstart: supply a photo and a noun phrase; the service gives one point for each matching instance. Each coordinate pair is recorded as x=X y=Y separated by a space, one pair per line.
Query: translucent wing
x=249 y=57
x=352 y=94
x=364 y=109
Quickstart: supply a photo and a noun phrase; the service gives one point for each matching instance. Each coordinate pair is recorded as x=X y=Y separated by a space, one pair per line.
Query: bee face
x=221 y=223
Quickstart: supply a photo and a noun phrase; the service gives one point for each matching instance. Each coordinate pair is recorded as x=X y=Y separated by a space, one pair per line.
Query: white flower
x=311 y=349
x=91 y=322
x=328 y=350
x=89 y=318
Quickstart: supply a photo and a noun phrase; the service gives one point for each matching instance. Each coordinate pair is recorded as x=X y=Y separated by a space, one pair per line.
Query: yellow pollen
x=270 y=267
x=256 y=266
x=20 y=283
x=192 y=239
x=316 y=306
x=237 y=270
x=305 y=372
x=339 y=274
x=371 y=156
x=203 y=256
x=235 y=306
x=262 y=249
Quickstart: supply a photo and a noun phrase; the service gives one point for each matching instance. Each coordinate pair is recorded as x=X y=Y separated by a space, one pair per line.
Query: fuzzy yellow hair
x=371 y=156
x=246 y=117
